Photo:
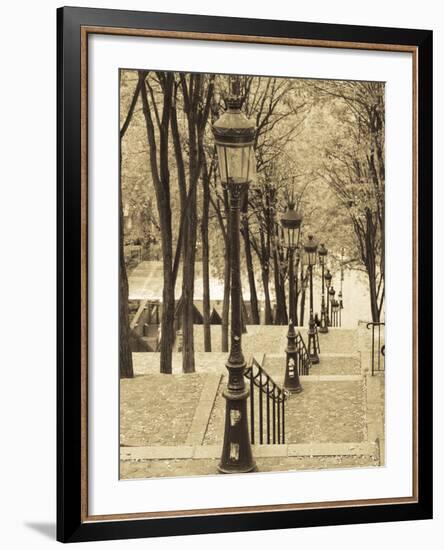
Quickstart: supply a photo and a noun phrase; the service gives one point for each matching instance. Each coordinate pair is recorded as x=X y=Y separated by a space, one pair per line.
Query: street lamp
x=341 y=307
x=328 y=277
x=341 y=304
x=234 y=136
x=332 y=293
x=310 y=248
x=335 y=312
x=291 y=226
x=322 y=253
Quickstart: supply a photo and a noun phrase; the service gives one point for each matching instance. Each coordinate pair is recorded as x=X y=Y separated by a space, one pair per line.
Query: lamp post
x=234 y=136
x=341 y=304
x=291 y=225
x=292 y=382
x=332 y=293
x=322 y=253
x=341 y=307
x=335 y=312
x=328 y=278
x=310 y=248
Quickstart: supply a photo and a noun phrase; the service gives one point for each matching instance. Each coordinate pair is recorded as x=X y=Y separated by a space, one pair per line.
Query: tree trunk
x=302 y=308
x=159 y=164
x=125 y=355
x=250 y=269
x=296 y=295
x=370 y=264
x=226 y=302
x=167 y=333
x=266 y=283
x=189 y=253
x=373 y=298
x=371 y=274
x=244 y=314
x=281 y=306
x=206 y=260
x=196 y=108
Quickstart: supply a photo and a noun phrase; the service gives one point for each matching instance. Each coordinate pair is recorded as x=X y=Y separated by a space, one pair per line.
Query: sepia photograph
x=230 y=265
x=251 y=274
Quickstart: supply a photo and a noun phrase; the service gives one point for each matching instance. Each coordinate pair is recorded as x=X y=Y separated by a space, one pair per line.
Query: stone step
x=330 y=364
x=273 y=339
x=270 y=339
x=149 y=362
x=274 y=364
x=367 y=448
x=257 y=339
x=339 y=340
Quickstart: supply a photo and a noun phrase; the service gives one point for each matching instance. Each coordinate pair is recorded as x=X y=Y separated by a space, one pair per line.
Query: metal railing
x=335 y=314
x=270 y=406
x=303 y=362
x=378 y=347
x=318 y=347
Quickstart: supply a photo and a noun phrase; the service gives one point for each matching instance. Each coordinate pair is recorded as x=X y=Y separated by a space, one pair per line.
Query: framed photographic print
x=244 y=274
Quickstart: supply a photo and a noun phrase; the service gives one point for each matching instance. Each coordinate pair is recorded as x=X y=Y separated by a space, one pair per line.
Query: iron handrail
x=380 y=349
x=304 y=361
x=318 y=347
x=272 y=413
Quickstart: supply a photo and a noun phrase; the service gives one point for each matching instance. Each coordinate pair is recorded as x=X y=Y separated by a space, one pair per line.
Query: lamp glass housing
x=328 y=277
x=322 y=253
x=237 y=163
x=234 y=135
x=291 y=224
x=310 y=248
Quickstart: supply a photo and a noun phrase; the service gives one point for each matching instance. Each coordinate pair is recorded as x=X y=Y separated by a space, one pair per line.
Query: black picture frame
x=72 y=525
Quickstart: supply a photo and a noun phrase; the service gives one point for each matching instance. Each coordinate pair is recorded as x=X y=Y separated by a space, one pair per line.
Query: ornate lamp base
x=237 y=457
x=292 y=382
x=312 y=343
x=323 y=329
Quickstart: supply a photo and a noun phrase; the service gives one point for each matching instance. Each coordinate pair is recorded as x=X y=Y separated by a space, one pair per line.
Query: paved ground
x=327 y=411
x=148 y=363
x=339 y=340
x=257 y=339
x=158 y=409
x=331 y=364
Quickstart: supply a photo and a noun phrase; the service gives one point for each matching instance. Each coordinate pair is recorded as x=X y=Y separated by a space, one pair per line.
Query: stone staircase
x=335 y=422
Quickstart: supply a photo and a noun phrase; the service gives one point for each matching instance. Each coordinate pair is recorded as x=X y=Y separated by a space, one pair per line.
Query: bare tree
x=125 y=356
x=158 y=144
x=197 y=92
